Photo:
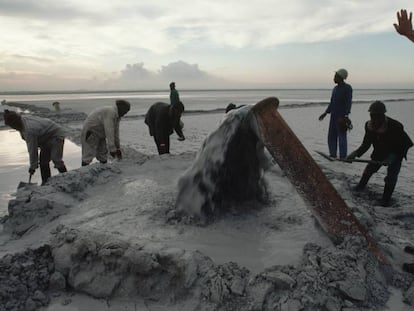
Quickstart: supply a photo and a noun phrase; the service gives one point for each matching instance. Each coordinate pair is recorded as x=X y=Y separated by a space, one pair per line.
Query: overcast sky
x=136 y=44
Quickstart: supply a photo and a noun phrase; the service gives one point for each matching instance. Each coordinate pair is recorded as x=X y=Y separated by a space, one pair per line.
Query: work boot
x=409 y=249
x=358 y=188
x=386 y=196
x=408 y=267
x=363 y=182
x=62 y=169
x=385 y=202
x=45 y=173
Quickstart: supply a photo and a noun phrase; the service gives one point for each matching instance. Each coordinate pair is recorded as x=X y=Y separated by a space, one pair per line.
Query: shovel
x=25 y=184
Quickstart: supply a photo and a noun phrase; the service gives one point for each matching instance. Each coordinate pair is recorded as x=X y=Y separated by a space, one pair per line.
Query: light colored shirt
x=104 y=123
x=38 y=132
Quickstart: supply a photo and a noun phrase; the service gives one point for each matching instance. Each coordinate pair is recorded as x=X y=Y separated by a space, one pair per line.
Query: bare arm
x=405 y=26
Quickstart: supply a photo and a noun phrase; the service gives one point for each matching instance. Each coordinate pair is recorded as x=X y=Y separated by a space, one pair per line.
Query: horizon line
x=85 y=91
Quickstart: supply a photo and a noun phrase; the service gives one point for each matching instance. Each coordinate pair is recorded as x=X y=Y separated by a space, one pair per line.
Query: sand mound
x=109 y=265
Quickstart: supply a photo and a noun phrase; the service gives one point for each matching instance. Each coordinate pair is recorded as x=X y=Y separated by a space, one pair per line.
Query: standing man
x=162 y=120
x=339 y=108
x=43 y=134
x=390 y=143
x=101 y=132
x=174 y=96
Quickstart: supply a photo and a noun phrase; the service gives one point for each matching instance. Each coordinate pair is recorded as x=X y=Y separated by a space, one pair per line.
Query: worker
x=43 y=134
x=101 y=132
x=390 y=143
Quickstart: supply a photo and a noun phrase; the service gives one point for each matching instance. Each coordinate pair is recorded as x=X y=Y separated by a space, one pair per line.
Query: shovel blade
x=23 y=184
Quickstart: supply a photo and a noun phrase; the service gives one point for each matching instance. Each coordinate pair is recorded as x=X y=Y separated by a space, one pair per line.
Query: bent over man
x=162 y=120
x=391 y=144
x=101 y=132
x=43 y=134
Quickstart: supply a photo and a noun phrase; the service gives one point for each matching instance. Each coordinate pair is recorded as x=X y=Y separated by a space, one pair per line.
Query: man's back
x=41 y=128
x=100 y=117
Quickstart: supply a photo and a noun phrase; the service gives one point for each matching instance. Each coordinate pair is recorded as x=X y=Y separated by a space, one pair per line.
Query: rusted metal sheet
x=325 y=203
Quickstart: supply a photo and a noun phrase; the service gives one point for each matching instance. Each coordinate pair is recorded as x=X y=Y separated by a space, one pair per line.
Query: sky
x=140 y=45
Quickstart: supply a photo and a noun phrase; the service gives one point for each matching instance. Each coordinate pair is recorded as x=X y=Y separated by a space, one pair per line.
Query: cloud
x=136 y=72
x=95 y=38
x=182 y=70
x=136 y=76
x=164 y=26
x=40 y=10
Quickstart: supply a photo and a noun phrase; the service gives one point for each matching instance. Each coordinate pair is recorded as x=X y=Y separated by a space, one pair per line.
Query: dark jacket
x=174 y=97
x=162 y=119
x=341 y=100
x=390 y=138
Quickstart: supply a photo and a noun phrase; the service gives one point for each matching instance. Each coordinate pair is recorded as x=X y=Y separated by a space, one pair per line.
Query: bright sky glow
x=129 y=44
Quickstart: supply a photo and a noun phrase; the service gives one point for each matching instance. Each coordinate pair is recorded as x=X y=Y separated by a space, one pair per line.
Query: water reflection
x=14 y=164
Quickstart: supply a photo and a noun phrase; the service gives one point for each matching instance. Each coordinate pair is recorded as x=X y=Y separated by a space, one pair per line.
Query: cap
x=11 y=118
x=342 y=73
x=123 y=103
x=377 y=107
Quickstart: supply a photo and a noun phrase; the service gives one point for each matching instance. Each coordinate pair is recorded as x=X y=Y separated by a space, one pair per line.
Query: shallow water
x=14 y=160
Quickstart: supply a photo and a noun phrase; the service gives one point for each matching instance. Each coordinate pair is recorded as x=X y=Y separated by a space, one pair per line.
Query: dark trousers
x=393 y=170
x=163 y=143
x=337 y=136
x=51 y=152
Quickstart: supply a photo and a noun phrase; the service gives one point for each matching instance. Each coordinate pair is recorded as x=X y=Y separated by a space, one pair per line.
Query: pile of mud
x=228 y=169
x=341 y=277
x=26 y=279
x=345 y=277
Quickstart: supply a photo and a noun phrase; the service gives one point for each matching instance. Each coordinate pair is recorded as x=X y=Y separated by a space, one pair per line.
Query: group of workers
x=100 y=132
x=387 y=136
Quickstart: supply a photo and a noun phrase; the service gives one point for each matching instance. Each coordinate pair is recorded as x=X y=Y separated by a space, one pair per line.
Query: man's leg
x=390 y=181
x=167 y=143
x=342 y=142
x=57 y=155
x=163 y=144
x=370 y=169
x=102 y=151
x=89 y=146
x=332 y=138
x=45 y=155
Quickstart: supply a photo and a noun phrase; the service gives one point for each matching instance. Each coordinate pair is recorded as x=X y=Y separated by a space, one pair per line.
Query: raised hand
x=405 y=26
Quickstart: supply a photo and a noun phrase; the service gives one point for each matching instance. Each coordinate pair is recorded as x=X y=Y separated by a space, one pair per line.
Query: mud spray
x=228 y=169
